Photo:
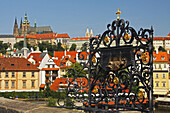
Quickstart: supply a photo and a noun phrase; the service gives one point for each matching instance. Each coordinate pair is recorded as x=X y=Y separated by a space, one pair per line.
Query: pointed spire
x=15 y=20
x=15 y=30
x=35 y=24
x=25 y=42
x=25 y=18
x=91 y=33
x=87 y=33
x=21 y=23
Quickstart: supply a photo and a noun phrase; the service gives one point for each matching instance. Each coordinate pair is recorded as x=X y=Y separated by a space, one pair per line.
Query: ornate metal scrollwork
x=119 y=72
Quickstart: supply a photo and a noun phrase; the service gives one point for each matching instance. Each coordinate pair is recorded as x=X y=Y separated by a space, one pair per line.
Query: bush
x=51 y=101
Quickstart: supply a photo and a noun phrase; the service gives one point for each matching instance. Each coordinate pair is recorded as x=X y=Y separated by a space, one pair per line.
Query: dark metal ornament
x=120 y=72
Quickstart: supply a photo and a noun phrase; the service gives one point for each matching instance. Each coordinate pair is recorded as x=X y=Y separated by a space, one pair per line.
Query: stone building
x=18 y=74
x=26 y=29
x=10 y=39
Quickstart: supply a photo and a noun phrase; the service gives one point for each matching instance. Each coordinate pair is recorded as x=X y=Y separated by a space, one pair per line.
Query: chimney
x=65 y=53
x=156 y=51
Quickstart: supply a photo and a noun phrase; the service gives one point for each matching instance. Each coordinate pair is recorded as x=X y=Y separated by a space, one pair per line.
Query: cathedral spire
x=21 y=23
x=87 y=33
x=35 y=24
x=15 y=30
x=15 y=21
x=25 y=18
x=91 y=33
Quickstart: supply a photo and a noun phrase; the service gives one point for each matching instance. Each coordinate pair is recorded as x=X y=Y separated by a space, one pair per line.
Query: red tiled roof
x=80 y=38
x=160 y=57
x=64 y=35
x=42 y=85
x=28 y=36
x=161 y=38
x=45 y=36
x=60 y=54
x=57 y=81
x=169 y=34
x=17 y=64
x=36 y=58
x=50 y=68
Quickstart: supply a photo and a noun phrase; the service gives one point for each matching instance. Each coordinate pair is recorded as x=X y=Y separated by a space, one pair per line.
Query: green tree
x=3 y=47
x=161 y=49
x=20 y=45
x=51 y=48
x=59 y=47
x=84 y=46
x=78 y=68
x=73 y=47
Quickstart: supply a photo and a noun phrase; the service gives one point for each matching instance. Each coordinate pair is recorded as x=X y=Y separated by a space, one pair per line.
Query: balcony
x=55 y=75
x=48 y=75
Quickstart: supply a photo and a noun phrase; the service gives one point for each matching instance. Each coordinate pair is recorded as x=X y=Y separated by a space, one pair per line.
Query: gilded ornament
x=106 y=39
x=94 y=59
x=140 y=94
x=118 y=12
x=95 y=90
x=143 y=57
x=116 y=80
x=127 y=37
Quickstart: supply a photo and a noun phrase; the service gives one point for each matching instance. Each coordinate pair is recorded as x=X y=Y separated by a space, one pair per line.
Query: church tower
x=24 y=26
x=87 y=33
x=91 y=33
x=15 y=30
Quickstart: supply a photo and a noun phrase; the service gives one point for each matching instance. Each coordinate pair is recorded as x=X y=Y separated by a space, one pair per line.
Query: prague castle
x=29 y=30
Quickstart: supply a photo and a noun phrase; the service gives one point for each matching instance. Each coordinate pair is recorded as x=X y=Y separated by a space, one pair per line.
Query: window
x=33 y=84
x=164 y=65
x=12 y=64
x=28 y=64
x=24 y=83
x=159 y=65
x=163 y=75
x=63 y=70
x=0 y=74
x=6 y=83
x=0 y=84
x=24 y=74
x=6 y=74
x=48 y=66
x=13 y=74
x=154 y=58
x=164 y=84
x=157 y=84
x=157 y=76
x=13 y=84
x=155 y=66
x=162 y=58
x=32 y=74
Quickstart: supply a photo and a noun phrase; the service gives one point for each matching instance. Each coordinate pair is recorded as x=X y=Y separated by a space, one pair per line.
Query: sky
x=75 y=16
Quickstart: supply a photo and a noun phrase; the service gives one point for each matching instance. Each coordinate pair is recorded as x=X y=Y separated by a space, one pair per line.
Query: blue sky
x=74 y=16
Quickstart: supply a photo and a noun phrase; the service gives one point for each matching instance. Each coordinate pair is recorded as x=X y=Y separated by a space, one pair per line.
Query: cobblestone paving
x=15 y=106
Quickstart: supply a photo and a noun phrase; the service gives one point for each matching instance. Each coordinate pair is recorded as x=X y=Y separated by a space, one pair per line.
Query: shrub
x=51 y=101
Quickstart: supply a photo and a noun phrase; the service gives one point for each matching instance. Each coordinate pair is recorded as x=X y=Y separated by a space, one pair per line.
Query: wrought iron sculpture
x=120 y=72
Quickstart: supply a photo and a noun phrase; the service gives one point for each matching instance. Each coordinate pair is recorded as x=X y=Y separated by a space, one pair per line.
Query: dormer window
x=28 y=64
x=154 y=58
x=162 y=58
x=12 y=64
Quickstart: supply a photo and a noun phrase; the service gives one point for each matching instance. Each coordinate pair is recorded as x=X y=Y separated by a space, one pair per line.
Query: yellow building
x=160 y=74
x=18 y=74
